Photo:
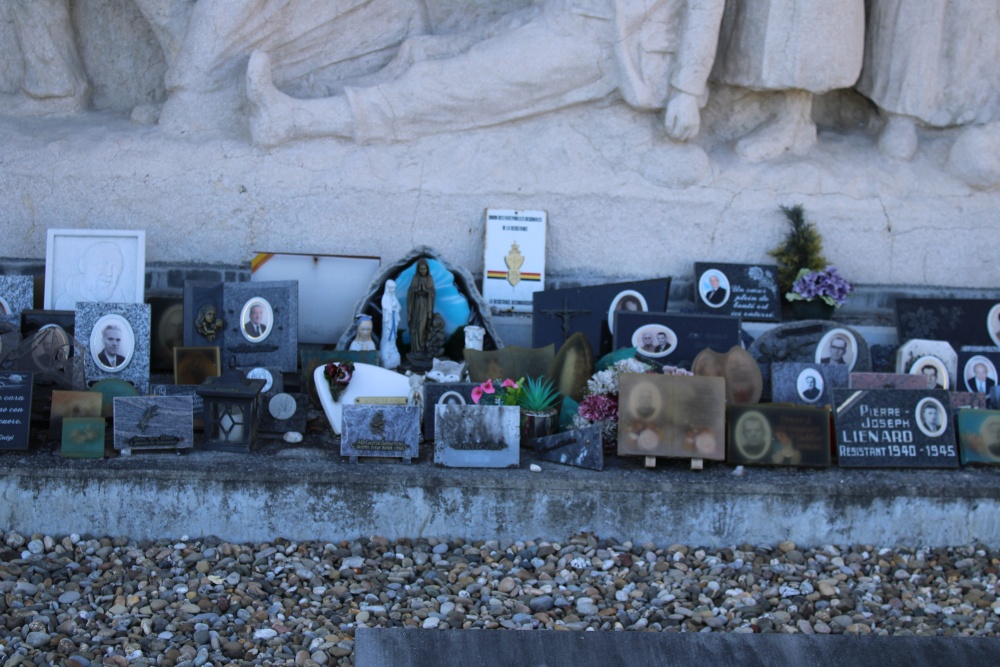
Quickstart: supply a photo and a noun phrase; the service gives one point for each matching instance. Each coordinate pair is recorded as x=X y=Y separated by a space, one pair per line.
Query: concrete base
x=310 y=492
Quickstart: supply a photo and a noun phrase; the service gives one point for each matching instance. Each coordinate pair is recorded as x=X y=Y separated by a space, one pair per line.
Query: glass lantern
x=231 y=404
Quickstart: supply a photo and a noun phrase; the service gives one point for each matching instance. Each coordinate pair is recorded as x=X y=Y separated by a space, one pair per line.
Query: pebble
x=292 y=437
x=190 y=602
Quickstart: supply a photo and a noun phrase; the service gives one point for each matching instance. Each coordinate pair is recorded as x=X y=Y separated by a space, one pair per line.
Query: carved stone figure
x=388 y=354
x=420 y=306
x=655 y=55
x=932 y=62
x=794 y=49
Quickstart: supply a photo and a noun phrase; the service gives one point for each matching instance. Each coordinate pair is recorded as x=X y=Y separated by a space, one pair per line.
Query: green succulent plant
x=539 y=395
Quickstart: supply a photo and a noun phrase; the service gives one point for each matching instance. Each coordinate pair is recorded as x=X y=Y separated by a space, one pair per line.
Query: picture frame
x=94 y=265
x=778 y=435
x=131 y=362
x=837 y=346
x=193 y=365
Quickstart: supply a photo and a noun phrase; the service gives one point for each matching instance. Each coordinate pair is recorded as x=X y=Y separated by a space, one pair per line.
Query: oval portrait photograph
x=989 y=432
x=980 y=375
x=809 y=385
x=714 y=288
x=932 y=420
x=112 y=343
x=838 y=346
x=752 y=435
x=654 y=340
x=256 y=319
x=627 y=301
x=993 y=324
x=933 y=369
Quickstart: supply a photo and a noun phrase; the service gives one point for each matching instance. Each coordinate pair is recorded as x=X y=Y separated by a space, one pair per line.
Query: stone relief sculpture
x=655 y=55
x=932 y=62
x=793 y=49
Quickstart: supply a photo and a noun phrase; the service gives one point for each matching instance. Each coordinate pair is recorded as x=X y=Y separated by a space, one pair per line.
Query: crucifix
x=565 y=315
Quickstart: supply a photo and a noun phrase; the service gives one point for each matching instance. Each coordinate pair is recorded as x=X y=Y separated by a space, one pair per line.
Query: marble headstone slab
x=895 y=428
x=979 y=436
x=82 y=437
x=958 y=321
x=780 y=436
x=748 y=291
x=477 y=436
x=197 y=402
x=281 y=413
x=934 y=359
x=126 y=322
x=382 y=431
x=16 y=296
x=675 y=340
x=887 y=381
x=444 y=393
x=560 y=313
x=275 y=340
x=672 y=415
x=582 y=448
x=204 y=316
x=15 y=410
x=806 y=384
x=153 y=422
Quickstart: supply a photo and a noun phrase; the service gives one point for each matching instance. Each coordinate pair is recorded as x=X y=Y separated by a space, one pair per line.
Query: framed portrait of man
x=934 y=370
x=116 y=338
x=980 y=374
x=112 y=343
x=256 y=319
x=838 y=347
x=94 y=265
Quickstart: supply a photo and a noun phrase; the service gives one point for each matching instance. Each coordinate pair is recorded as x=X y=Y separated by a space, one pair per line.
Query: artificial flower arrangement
x=827 y=285
x=498 y=392
x=338 y=376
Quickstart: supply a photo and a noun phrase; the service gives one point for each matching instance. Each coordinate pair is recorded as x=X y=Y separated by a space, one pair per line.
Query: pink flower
x=484 y=388
x=509 y=383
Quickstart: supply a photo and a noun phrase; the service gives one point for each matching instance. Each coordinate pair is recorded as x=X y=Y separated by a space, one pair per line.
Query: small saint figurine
x=388 y=354
x=363 y=338
x=420 y=307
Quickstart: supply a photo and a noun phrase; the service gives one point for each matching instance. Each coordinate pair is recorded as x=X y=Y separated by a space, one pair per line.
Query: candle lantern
x=231 y=404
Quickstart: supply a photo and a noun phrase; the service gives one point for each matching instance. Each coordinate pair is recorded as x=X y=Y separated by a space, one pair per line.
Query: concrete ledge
x=396 y=647
x=310 y=492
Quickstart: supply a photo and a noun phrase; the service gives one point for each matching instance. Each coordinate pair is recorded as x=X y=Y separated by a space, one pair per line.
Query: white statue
x=656 y=55
x=388 y=354
x=794 y=49
x=932 y=62
x=363 y=338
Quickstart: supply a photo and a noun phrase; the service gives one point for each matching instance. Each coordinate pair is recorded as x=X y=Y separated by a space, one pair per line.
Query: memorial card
x=748 y=291
x=194 y=365
x=15 y=410
x=675 y=340
x=94 y=265
x=582 y=448
x=780 y=436
x=477 y=436
x=82 y=438
x=979 y=436
x=959 y=321
x=204 y=322
x=444 y=393
x=116 y=336
x=672 y=415
x=895 y=428
x=381 y=431
x=67 y=404
x=806 y=384
x=153 y=422
x=262 y=324
x=558 y=314
x=887 y=381
x=515 y=259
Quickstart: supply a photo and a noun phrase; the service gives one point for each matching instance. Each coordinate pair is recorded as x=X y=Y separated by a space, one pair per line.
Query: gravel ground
x=87 y=601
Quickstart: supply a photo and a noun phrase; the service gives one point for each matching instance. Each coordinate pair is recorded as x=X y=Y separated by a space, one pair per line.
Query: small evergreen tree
x=801 y=249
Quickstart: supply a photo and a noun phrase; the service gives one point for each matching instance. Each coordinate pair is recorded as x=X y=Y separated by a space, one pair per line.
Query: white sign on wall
x=514 y=266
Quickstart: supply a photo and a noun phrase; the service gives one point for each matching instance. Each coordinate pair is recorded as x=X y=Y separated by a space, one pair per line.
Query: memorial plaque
x=744 y=382
x=204 y=321
x=979 y=436
x=116 y=336
x=444 y=393
x=806 y=384
x=780 y=436
x=166 y=330
x=153 y=422
x=477 y=436
x=581 y=448
x=515 y=259
x=194 y=365
x=887 y=381
x=558 y=314
x=72 y=404
x=282 y=413
x=262 y=324
x=958 y=321
x=82 y=438
x=672 y=415
x=381 y=431
x=934 y=359
x=748 y=291
x=675 y=340
x=16 y=296
x=197 y=402
x=15 y=410
x=897 y=428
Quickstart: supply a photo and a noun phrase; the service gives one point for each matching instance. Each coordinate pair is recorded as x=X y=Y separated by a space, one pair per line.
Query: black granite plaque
x=262 y=324
x=958 y=321
x=445 y=393
x=749 y=291
x=15 y=410
x=381 y=431
x=675 y=340
x=898 y=428
x=281 y=413
x=582 y=448
x=558 y=314
x=780 y=436
x=806 y=384
x=979 y=436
